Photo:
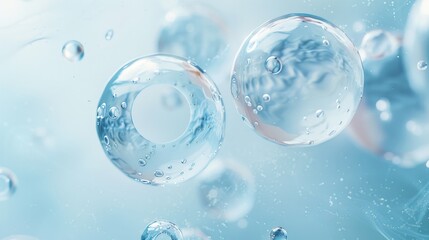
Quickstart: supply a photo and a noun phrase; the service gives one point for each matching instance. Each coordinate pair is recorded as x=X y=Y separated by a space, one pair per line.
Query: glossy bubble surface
x=416 y=48
x=73 y=51
x=297 y=80
x=278 y=233
x=194 y=234
x=8 y=183
x=378 y=44
x=227 y=190
x=162 y=229
x=391 y=121
x=194 y=32
x=169 y=162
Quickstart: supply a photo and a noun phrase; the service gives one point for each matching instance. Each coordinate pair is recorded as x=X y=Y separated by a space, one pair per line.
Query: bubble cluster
x=151 y=162
x=278 y=233
x=194 y=32
x=378 y=44
x=227 y=190
x=157 y=229
x=73 y=51
x=297 y=80
x=8 y=183
x=416 y=49
x=391 y=121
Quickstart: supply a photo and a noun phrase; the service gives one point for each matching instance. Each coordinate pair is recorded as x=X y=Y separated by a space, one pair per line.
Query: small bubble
x=422 y=65
x=255 y=111
x=114 y=112
x=73 y=51
x=123 y=105
x=170 y=167
x=320 y=113
x=109 y=35
x=183 y=161
x=142 y=162
x=266 y=97
x=273 y=65
x=8 y=184
x=259 y=108
x=247 y=101
x=278 y=233
x=158 y=173
x=326 y=42
x=106 y=140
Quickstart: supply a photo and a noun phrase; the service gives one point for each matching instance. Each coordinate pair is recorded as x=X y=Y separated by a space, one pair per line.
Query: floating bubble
x=416 y=49
x=227 y=190
x=109 y=35
x=167 y=162
x=194 y=234
x=73 y=51
x=278 y=233
x=158 y=229
x=8 y=183
x=378 y=44
x=305 y=88
x=391 y=121
x=20 y=237
x=194 y=32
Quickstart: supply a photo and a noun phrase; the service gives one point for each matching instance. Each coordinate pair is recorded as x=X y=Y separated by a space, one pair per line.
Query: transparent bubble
x=416 y=49
x=227 y=190
x=298 y=81
x=19 y=237
x=278 y=233
x=160 y=229
x=378 y=44
x=194 y=234
x=391 y=121
x=8 y=183
x=194 y=32
x=109 y=34
x=160 y=162
x=73 y=51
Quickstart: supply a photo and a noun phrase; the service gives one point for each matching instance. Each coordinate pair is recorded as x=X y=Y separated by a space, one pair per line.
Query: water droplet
x=123 y=105
x=114 y=112
x=278 y=233
x=109 y=35
x=320 y=113
x=266 y=97
x=158 y=173
x=422 y=65
x=273 y=65
x=73 y=51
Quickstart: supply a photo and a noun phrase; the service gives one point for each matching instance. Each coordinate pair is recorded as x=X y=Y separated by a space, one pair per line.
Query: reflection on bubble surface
x=162 y=229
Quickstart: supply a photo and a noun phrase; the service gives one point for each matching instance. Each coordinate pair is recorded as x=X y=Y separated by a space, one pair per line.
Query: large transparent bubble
x=160 y=162
x=195 y=32
x=391 y=121
x=416 y=48
x=297 y=80
x=227 y=190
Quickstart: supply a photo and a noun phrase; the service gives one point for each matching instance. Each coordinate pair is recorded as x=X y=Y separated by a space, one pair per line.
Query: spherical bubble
x=157 y=229
x=194 y=234
x=227 y=190
x=160 y=163
x=378 y=44
x=297 y=80
x=19 y=237
x=416 y=49
x=194 y=32
x=109 y=34
x=391 y=121
x=73 y=51
x=278 y=233
x=8 y=183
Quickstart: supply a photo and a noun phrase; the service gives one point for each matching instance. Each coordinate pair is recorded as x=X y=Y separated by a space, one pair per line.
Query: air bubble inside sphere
x=162 y=230
x=194 y=32
x=297 y=80
x=73 y=51
x=278 y=233
x=416 y=49
x=227 y=190
x=8 y=183
x=154 y=162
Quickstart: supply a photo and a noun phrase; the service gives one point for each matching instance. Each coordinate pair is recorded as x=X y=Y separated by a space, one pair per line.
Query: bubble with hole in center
x=162 y=230
x=297 y=80
x=126 y=108
x=8 y=183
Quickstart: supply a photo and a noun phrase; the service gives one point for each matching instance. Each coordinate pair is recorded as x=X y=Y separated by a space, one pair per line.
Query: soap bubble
x=416 y=49
x=391 y=121
x=292 y=87
x=194 y=234
x=194 y=32
x=407 y=221
x=8 y=183
x=278 y=233
x=73 y=51
x=157 y=229
x=20 y=237
x=378 y=44
x=227 y=190
x=160 y=163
